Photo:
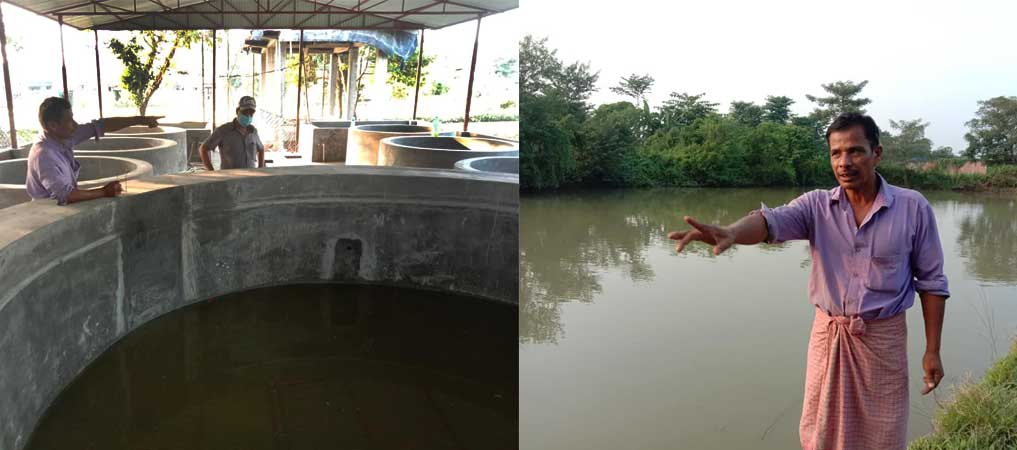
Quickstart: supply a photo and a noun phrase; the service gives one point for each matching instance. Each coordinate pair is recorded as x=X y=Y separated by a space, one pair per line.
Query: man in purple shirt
x=873 y=246
x=52 y=169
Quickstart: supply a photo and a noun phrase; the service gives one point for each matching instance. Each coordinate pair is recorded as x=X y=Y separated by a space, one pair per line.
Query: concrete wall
x=326 y=141
x=95 y=172
x=439 y=152
x=195 y=132
x=364 y=140
x=178 y=135
x=496 y=164
x=75 y=279
x=160 y=153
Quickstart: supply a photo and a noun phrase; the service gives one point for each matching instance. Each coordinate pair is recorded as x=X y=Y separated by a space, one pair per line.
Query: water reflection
x=566 y=240
x=988 y=240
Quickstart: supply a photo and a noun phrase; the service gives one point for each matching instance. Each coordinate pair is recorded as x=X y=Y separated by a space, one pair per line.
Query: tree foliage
x=147 y=57
x=686 y=142
x=842 y=98
x=746 y=113
x=992 y=135
x=777 y=109
x=908 y=143
x=635 y=86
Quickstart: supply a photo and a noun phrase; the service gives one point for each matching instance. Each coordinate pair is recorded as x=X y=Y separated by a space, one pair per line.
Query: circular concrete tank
x=160 y=153
x=364 y=140
x=75 y=280
x=95 y=172
x=178 y=135
x=439 y=152
x=492 y=164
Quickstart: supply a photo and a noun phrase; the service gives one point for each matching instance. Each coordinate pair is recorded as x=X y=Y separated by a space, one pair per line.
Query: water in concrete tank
x=302 y=367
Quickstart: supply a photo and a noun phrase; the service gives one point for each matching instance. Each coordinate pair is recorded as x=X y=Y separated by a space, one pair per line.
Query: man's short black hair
x=52 y=110
x=850 y=119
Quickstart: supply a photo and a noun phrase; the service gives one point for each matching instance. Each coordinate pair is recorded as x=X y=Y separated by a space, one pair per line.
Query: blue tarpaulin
x=400 y=43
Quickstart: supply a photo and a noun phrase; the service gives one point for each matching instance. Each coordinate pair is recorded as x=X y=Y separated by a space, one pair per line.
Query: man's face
x=63 y=128
x=249 y=112
x=852 y=158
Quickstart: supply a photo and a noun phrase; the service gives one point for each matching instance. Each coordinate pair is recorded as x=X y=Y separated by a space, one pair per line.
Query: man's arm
x=933 y=309
x=111 y=124
x=261 y=157
x=784 y=223
x=80 y=195
x=206 y=160
x=748 y=230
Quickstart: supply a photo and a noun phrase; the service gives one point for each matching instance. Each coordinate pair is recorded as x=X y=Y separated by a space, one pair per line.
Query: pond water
x=302 y=367
x=626 y=344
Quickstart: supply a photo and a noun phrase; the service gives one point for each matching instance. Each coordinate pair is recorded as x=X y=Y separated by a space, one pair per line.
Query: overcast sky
x=924 y=59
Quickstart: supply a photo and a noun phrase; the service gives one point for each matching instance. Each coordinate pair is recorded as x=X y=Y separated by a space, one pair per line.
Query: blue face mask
x=244 y=120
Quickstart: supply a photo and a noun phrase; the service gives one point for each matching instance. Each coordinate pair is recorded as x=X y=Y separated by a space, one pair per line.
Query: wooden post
x=63 y=64
x=213 y=77
x=7 y=80
x=300 y=84
x=98 y=76
x=420 y=63
x=473 y=71
x=203 y=116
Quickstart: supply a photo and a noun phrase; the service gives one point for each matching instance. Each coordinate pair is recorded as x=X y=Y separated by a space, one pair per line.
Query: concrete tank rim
x=165 y=130
x=466 y=164
x=160 y=144
x=138 y=171
x=393 y=142
x=47 y=212
x=422 y=129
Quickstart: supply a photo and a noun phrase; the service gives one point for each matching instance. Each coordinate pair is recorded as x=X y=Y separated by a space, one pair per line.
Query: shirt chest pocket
x=886 y=272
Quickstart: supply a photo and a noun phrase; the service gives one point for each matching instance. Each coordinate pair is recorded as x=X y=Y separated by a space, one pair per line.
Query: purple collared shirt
x=872 y=270
x=52 y=169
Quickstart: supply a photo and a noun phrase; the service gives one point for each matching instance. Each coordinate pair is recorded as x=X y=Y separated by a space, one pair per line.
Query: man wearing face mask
x=237 y=141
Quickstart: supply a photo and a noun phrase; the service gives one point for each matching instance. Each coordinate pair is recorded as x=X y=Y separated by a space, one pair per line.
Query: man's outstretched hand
x=721 y=238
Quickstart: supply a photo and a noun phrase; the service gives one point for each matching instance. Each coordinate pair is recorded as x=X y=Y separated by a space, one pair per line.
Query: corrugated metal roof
x=273 y=14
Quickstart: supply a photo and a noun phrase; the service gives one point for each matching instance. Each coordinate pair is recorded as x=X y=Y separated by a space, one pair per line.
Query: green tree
x=746 y=113
x=777 y=109
x=611 y=137
x=402 y=73
x=635 y=86
x=992 y=135
x=943 y=153
x=683 y=109
x=147 y=62
x=908 y=144
x=553 y=101
x=843 y=97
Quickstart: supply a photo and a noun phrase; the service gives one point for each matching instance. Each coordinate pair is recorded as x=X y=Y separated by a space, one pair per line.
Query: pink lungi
x=856 y=384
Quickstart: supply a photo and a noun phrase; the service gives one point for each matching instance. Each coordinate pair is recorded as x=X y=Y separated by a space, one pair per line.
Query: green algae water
x=302 y=367
x=626 y=344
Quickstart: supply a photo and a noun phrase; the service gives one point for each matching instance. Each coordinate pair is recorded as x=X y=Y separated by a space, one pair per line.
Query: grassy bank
x=998 y=178
x=983 y=415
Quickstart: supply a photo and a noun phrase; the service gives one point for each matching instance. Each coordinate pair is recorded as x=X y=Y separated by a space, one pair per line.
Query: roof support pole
x=7 y=80
x=473 y=71
x=351 y=91
x=203 y=116
x=98 y=76
x=332 y=79
x=300 y=83
x=63 y=64
x=213 y=77
x=420 y=63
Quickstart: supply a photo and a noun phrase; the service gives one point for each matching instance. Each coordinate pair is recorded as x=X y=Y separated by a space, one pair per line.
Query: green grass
x=982 y=415
x=1001 y=177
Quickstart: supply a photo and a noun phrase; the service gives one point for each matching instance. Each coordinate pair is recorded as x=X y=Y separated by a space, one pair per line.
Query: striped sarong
x=856 y=384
